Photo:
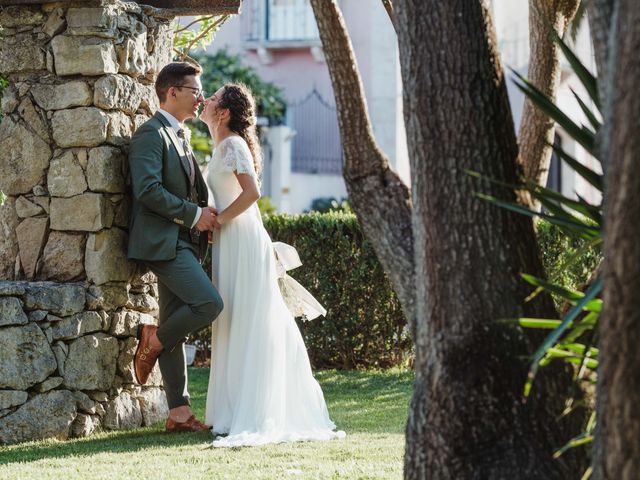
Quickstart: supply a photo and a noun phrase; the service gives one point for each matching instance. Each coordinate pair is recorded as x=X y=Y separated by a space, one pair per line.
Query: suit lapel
x=177 y=143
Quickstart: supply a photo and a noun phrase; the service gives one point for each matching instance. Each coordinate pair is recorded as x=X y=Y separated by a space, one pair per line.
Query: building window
x=282 y=21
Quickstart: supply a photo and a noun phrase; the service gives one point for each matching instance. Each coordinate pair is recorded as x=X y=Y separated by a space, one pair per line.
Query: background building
x=303 y=160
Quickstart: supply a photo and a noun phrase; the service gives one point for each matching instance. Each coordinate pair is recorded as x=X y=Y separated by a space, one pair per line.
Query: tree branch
x=388 y=6
x=380 y=199
x=536 y=128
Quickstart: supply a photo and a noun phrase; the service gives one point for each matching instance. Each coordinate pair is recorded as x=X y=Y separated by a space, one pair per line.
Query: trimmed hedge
x=364 y=326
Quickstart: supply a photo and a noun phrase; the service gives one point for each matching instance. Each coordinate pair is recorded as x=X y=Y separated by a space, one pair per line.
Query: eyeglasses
x=199 y=92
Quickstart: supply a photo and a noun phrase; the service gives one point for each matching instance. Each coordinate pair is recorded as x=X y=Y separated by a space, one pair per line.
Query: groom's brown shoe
x=145 y=357
x=191 y=425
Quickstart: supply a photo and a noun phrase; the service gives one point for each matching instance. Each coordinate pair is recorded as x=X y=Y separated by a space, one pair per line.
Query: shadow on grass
x=130 y=441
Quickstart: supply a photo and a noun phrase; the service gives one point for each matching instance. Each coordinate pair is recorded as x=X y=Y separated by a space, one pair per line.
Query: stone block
x=91 y=363
x=66 y=176
x=106 y=257
x=8 y=239
x=12 y=398
x=20 y=15
x=24 y=157
x=132 y=55
x=55 y=22
x=25 y=356
x=49 y=384
x=37 y=315
x=44 y=416
x=63 y=257
x=32 y=234
x=110 y=296
x=120 y=128
x=25 y=208
x=153 y=404
x=10 y=288
x=58 y=299
x=143 y=302
x=83 y=56
x=97 y=22
x=118 y=92
x=22 y=53
x=77 y=325
x=11 y=313
x=84 y=425
x=34 y=119
x=125 y=322
x=60 y=350
x=79 y=127
x=125 y=359
x=123 y=412
x=105 y=170
x=87 y=212
x=66 y=95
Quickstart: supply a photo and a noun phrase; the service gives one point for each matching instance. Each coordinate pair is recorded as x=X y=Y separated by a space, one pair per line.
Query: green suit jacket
x=160 y=181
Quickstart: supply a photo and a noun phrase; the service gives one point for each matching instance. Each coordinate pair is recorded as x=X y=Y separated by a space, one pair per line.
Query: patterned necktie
x=187 y=150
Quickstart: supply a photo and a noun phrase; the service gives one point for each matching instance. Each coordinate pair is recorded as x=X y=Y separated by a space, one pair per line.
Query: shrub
x=364 y=326
x=568 y=260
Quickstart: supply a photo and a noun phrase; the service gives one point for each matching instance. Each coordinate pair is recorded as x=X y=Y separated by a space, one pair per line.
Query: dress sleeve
x=237 y=157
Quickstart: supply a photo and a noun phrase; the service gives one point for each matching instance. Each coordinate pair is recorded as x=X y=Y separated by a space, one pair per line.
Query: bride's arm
x=250 y=194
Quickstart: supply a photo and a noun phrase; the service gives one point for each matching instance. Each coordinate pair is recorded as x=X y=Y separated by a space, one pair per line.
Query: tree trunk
x=467 y=416
x=536 y=128
x=600 y=14
x=381 y=200
x=617 y=446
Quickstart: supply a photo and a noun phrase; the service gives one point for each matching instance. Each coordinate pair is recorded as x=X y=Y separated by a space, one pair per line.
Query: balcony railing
x=281 y=21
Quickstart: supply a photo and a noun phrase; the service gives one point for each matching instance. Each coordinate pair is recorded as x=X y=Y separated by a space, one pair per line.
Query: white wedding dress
x=261 y=388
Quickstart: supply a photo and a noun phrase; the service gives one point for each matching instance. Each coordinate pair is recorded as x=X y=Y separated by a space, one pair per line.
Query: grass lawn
x=370 y=406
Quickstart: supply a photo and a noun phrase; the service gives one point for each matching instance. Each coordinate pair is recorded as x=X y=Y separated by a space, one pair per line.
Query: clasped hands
x=208 y=220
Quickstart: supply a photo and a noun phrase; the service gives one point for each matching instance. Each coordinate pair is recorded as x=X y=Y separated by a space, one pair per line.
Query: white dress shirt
x=175 y=124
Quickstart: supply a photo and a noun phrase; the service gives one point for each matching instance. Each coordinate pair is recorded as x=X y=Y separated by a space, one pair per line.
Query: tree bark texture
x=536 y=128
x=381 y=201
x=617 y=439
x=600 y=13
x=467 y=416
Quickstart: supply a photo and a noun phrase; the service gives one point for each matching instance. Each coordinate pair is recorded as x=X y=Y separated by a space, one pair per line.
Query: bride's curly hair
x=242 y=119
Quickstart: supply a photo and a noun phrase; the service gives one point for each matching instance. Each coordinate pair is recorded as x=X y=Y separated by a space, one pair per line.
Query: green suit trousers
x=188 y=302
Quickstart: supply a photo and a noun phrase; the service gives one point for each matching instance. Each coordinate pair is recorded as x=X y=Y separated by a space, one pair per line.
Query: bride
x=261 y=388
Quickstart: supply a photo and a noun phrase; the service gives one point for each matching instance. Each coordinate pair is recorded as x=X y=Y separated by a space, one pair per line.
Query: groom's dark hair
x=172 y=75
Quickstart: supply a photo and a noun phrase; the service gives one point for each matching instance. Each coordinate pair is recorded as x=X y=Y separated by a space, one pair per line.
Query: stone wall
x=66 y=359
x=80 y=82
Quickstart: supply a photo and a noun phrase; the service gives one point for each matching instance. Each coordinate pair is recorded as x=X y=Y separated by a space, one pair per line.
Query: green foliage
x=330 y=204
x=266 y=206
x=2 y=197
x=364 y=326
x=568 y=260
x=186 y=37
x=222 y=67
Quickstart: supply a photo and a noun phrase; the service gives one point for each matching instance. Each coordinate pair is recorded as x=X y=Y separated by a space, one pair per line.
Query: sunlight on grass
x=370 y=406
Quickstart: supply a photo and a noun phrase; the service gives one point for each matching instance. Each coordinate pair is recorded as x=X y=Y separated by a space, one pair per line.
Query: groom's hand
x=206 y=220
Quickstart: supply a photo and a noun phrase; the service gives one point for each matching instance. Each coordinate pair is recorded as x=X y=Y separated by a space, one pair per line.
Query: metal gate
x=316 y=147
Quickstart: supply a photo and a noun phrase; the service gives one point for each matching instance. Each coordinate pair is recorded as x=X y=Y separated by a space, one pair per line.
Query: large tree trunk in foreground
x=536 y=128
x=467 y=417
x=381 y=200
x=617 y=439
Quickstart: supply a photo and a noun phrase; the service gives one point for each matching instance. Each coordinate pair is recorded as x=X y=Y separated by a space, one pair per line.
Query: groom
x=170 y=221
